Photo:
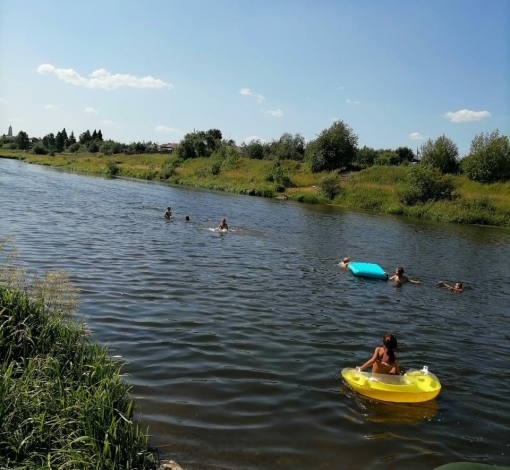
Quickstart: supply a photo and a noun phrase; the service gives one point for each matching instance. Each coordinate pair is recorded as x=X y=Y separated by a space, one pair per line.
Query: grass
x=374 y=189
x=63 y=403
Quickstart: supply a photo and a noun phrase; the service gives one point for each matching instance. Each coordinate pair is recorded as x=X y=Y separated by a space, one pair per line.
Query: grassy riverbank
x=63 y=403
x=375 y=189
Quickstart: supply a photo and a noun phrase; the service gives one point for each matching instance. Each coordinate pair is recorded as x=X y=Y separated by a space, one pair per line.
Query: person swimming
x=344 y=263
x=186 y=218
x=223 y=225
x=399 y=277
x=456 y=288
x=168 y=212
x=384 y=360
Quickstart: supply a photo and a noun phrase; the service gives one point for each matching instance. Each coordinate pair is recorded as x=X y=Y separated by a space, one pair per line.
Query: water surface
x=234 y=341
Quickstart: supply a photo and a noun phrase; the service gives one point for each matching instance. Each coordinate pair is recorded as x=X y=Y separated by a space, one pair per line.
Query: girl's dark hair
x=390 y=341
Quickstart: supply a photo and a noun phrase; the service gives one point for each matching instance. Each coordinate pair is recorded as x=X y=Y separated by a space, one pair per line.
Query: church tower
x=9 y=133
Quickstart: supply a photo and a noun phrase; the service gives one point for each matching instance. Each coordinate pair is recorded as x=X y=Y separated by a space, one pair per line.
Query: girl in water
x=384 y=360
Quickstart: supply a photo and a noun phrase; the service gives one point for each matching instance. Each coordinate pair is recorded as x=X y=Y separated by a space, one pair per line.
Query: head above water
x=399 y=271
x=168 y=208
x=390 y=341
x=187 y=217
x=458 y=285
x=346 y=259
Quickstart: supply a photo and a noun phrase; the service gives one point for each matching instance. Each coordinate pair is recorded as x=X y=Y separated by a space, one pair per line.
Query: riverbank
x=375 y=189
x=63 y=402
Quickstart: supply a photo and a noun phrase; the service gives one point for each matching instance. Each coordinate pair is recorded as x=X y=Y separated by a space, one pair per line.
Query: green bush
x=111 y=168
x=329 y=186
x=73 y=148
x=93 y=147
x=489 y=158
x=425 y=183
x=39 y=150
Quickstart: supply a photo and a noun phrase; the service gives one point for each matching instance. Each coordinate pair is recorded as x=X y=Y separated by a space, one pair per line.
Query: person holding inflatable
x=384 y=360
x=344 y=263
x=168 y=212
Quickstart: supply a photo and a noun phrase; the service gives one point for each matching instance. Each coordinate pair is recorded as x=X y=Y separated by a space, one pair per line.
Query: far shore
x=376 y=189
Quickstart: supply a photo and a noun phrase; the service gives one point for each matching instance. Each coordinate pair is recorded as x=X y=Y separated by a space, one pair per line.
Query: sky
x=397 y=71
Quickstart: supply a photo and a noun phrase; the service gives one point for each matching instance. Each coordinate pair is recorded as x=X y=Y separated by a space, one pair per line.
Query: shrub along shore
x=405 y=189
x=63 y=403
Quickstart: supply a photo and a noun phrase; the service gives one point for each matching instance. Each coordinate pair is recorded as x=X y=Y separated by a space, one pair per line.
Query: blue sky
x=396 y=71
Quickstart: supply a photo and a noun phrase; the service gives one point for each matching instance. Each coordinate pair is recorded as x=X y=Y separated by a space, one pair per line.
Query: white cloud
x=50 y=107
x=351 y=101
x=465 y=115
x=102 y=79
x=91 y=111
x=275 y=112
x=340 y=87
x=105 y=122
x=168 y=130
x=3 y=100
x=334 y=119
x=251 y=138
x=247 y=92
x=415 y=136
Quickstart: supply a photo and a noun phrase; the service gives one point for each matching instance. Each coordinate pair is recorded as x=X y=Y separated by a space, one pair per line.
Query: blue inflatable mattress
x=370 y=270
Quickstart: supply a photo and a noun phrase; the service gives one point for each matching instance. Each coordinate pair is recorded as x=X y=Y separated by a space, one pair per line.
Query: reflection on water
x=234 y=341
x=390 y=413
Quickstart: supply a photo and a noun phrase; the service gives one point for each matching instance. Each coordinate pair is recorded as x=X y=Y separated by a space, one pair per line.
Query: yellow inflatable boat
x=414 y=386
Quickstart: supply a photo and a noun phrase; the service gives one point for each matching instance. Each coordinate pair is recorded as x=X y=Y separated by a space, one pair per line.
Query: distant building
x=9 y=132
x=167 y=148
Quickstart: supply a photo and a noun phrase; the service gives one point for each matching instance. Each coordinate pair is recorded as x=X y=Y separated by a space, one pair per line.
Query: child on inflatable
x=384 y=360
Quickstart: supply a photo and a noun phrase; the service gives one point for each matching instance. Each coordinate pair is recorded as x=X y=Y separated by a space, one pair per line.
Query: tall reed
x=63 y=403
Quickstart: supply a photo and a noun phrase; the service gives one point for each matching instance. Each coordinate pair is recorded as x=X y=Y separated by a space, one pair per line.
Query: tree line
x=334 y=149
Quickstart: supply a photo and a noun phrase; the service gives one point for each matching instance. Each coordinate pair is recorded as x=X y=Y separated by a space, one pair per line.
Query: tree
x=335 y=148
x=387 y=157
x=22 y=140
x=49 y=141
x=94 y=135
x=442 y=154
x=405 y=154
x=85 y=137
x=489 y=158
x=59 y=142
x=71 y=140
x=366 y=156
x=199 y=144
x=99 y=135
x=215 y=134
x=254 y=150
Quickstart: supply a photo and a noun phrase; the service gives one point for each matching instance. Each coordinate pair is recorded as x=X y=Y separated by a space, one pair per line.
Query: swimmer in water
x=168 y=212
x=457 y=288
x=186 y=218
x=223 y=225
x=399 y=277
x=344 y=263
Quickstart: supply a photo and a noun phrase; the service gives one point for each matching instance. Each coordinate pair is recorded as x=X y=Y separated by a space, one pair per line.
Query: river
x=234 y=342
